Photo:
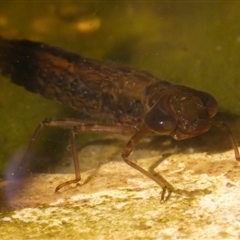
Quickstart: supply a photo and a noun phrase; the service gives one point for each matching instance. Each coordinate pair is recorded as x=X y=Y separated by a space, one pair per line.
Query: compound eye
x=159 y=121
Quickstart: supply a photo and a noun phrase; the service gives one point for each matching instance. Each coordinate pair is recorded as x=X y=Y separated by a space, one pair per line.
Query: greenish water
x=188 y=43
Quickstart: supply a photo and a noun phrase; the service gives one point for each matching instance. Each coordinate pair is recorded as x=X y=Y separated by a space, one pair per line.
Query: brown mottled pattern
x=101 y=89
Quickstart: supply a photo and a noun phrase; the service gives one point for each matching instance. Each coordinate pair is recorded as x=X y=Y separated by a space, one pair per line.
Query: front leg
x=161 y=181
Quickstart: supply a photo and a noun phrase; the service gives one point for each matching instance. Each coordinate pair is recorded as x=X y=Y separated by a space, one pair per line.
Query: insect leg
x=23 y=167
x=75 y=161
x=51 y=122
x=81 y=127
x=223 y=126
x=163 y=183
x=76 y=126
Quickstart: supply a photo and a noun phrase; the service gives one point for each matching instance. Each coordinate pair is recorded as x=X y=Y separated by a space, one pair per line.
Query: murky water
x=188 y=43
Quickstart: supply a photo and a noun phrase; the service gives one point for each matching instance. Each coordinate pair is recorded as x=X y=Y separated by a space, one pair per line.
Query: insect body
x=130 y=101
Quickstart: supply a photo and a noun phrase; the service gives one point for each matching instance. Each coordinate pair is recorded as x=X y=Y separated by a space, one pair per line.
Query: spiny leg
x=23 y=167
x=81 y=127
x=75 y=161
x=95 y=128
x=76 y=126
x=163 y=183
x=223 y=126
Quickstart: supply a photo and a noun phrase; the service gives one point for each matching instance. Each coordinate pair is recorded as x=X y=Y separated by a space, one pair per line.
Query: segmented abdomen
x=101 y=89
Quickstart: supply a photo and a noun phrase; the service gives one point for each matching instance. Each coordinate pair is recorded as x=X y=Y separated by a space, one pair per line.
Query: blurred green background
x=190 y=43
